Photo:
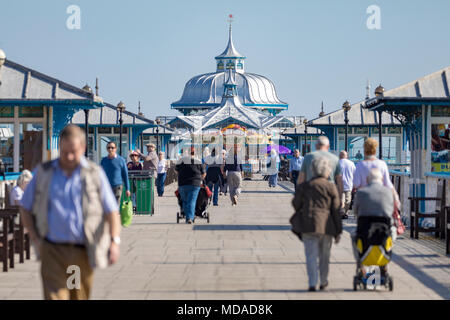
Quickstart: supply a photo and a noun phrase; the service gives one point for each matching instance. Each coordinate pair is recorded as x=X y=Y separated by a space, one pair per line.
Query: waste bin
x=142 y=187
x=248 y=173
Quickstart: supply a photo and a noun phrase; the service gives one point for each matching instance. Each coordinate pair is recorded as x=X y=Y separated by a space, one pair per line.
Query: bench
x=438 y=215
x=22 y=238
x=7 y=240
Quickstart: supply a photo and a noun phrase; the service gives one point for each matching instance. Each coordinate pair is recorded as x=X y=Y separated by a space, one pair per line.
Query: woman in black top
x=191 y=173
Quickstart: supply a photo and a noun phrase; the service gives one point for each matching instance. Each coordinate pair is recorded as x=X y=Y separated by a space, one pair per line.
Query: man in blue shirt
x=116 y=170
x=295 y=164
x=73 y=221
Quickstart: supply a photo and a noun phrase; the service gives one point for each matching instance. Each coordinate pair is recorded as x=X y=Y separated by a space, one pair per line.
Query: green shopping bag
x=126 y=212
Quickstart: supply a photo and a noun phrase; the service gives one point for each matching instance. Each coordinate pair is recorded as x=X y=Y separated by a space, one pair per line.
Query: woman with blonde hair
x=370 y=162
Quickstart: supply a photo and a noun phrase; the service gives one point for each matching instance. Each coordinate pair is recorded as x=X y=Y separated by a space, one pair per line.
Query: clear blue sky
x=148 y=50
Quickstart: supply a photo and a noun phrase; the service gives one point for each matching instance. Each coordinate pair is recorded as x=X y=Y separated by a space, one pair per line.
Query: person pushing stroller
x=191 y=173
x=375 y=233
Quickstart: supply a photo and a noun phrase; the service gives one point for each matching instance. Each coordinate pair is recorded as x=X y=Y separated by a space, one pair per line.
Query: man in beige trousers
x=72 y=217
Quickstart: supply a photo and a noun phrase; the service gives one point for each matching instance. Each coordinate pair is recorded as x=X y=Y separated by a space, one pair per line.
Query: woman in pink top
x=370 y=162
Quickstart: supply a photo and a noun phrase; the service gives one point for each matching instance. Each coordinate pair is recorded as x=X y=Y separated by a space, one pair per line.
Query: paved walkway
x=246 y=252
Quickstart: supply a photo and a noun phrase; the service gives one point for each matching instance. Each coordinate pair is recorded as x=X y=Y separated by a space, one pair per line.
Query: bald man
x=322 y=150
x=347 y=170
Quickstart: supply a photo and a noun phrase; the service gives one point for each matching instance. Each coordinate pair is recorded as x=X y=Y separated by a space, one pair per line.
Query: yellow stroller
x=373 y=244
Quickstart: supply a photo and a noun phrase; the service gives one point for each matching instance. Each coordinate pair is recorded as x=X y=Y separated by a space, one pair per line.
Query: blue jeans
x=215 y=188
x=189 y=196
x=273 y=179
x=160 y=180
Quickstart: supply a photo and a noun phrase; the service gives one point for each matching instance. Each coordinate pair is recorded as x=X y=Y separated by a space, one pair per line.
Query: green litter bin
x=142 y=187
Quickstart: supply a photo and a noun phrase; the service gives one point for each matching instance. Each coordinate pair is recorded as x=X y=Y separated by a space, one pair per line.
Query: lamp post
x=379 y=93
x=86 y=120
x=120 y=108
x=346 y=106
x=305 y=122
x=157 y=135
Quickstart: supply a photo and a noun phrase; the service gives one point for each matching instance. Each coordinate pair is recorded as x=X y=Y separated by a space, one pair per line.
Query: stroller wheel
x=355 y=283
x=207 y=217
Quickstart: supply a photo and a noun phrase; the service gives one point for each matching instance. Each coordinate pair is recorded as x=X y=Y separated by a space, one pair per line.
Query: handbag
x=398 y=220
x=126 y=212
x=208 y=191
x=295 y=222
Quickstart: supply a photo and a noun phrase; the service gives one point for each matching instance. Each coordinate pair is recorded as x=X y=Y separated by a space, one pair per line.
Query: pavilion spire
x=230 y=57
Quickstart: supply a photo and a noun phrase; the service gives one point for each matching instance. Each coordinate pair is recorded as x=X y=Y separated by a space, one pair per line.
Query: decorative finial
x=87 y=88
x=346 y=106
x=139 y=109
x=96 y=86
x=321 y=114
x=379 y=91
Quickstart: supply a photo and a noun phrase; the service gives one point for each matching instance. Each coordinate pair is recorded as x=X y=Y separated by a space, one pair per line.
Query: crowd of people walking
x=62 y=200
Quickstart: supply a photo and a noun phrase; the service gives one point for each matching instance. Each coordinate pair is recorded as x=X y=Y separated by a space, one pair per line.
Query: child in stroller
x=203 y=202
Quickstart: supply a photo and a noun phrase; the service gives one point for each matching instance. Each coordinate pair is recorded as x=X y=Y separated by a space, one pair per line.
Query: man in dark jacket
x=317 y=220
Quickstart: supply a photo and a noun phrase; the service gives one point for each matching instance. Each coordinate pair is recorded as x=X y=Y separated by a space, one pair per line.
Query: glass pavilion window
x=22 y=137
x=220 y=66
x=283 y=124
x=7 y=145
x=105 y=139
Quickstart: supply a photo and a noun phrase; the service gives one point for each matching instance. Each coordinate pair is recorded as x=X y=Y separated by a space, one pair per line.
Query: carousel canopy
x=230 y=110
